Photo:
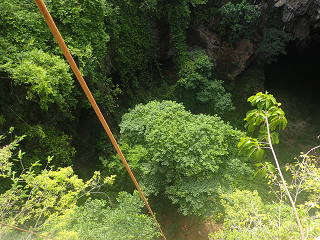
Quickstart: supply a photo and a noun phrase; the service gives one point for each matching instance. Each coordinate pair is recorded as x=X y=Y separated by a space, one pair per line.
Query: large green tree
x=186 y=157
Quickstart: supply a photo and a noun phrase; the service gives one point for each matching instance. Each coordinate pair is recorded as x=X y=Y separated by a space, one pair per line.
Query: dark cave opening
x=298 y=72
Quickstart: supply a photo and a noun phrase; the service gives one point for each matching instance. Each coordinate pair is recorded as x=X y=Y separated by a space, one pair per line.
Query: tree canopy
x=184 y=156
x=47 y=203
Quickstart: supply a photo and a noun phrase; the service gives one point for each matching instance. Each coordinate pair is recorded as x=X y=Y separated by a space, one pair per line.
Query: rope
x=43 y=9
x=17 y=115
x=23 y=230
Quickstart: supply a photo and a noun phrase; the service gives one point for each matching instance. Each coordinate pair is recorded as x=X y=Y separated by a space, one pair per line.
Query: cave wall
x=298 y=17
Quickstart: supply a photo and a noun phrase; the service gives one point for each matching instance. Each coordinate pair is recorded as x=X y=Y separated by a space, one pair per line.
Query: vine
x=178 y=17
x=133 y=42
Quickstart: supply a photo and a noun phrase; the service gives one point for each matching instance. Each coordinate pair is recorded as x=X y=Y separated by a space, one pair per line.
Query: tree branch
x=282 y=178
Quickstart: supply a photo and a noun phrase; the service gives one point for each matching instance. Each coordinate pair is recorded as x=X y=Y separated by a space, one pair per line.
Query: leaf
x=271 y=168
x=11 y=129
x=242 y=141
x=274 y=138
x=261 y=173
x=20 y=154
x=258 y=154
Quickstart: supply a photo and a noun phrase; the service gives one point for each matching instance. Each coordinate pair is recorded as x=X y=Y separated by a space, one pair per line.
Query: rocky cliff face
x=298 y=15
x=229 y=59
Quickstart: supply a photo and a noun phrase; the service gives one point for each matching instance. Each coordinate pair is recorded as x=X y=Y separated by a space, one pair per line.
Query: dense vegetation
x=176 y=124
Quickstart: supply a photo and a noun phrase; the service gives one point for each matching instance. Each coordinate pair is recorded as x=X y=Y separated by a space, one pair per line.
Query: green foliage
x=46 y=78
x=22 y=29
x=178 y=17
x=195 y=77
x=43 y=141
x=238 y=20
x=268 y=109
x=178 y=14
x=2 y=119
x=5 y=155
x=38 y=199
x=273 y=44
x=133 y=43
x=246 y=217
x=268 y=117
x=82 y=24
x=25 y=36
x=186 y=157
x=304 y=181
x=198 y=66
x=97 y=220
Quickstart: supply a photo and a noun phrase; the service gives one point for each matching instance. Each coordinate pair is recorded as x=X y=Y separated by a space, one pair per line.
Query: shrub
x=273 y=44
x=195 y=77
x=238 y=20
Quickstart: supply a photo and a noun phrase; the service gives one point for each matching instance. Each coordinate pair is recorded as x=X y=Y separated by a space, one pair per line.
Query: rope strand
x=43 y=9
x=24 y=231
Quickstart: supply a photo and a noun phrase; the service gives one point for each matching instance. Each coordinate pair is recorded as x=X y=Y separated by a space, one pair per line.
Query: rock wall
x=298 y=16
x=230 y=60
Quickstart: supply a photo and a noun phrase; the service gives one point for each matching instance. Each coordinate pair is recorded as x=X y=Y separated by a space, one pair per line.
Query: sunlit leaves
x=267 y=117
x=268 y=112
x=179 y=153
x=83 y=27
x=46 y=78
x=96 y=219
x=263 y=100
x=263 y=169
x=5 y=155
x=251 y=146
x=47 y=202
x=39 y=197
x=271 y=168
x=248 y=217
x=258 y=154
x=268 y=109
x=254 y=118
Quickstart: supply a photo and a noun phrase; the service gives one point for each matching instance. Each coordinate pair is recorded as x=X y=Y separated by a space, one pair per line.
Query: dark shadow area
x=295 y=82
x=298 y=72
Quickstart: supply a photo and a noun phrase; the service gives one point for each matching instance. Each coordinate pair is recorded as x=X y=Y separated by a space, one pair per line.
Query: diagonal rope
x=23 y=230
x=43 y=9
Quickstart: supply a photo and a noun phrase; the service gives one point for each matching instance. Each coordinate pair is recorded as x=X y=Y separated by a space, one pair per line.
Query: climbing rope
x=45 y=13
x=24 y=231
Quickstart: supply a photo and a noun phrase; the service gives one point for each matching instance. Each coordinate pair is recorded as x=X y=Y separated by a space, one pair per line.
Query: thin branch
x=105 y=195
x=17 y=115
x=313 y=148
x=282 y=179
